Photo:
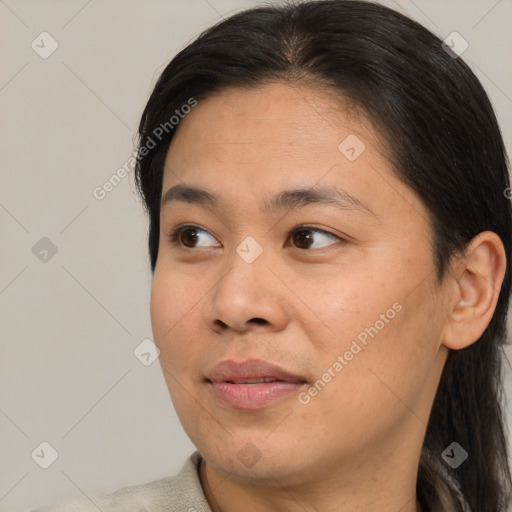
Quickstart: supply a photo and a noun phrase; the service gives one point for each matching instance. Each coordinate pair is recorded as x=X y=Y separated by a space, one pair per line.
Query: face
x=341 y=295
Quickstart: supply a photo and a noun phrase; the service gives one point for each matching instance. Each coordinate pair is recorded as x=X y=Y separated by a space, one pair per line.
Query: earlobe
x=476 y=291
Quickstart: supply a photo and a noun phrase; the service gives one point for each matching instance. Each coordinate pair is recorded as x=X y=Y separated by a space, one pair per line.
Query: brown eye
x=304 y=237
x=186 y=236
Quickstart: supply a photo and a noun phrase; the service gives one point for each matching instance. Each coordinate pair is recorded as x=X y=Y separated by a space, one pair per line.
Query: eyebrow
x=283 y=201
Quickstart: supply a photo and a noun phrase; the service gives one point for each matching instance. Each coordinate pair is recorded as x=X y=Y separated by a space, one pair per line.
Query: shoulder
x=178 y=493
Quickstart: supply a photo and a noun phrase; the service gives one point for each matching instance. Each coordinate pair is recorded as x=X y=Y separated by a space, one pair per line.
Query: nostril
x=223 y=325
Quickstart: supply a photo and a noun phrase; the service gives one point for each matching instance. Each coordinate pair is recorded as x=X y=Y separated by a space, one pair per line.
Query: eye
x=302 y=236
x=188 y=235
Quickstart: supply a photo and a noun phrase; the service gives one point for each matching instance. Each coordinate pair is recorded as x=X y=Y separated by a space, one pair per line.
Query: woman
x=330 y=239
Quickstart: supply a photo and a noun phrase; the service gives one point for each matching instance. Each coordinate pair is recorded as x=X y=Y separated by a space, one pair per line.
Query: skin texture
x=356 y=445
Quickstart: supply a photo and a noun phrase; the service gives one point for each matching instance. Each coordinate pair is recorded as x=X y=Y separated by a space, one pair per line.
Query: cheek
x=173 y=299
x=162 y=308
x=389 y=374
x=385 y=335
x=174 y=309
x=378 y=386
x=171 y=313
x=343 y=308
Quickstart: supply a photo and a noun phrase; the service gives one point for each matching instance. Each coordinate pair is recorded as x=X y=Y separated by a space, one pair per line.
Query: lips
x=251 y=372
x=254 y=384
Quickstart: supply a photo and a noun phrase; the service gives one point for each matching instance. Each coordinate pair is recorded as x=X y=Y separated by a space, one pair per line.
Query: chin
x=259 y=456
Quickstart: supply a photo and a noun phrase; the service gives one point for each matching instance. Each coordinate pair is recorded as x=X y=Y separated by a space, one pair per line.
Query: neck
x=227 y=494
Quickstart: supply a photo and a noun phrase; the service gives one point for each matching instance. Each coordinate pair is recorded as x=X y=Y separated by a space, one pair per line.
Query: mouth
x=257 y=380
x=253 y=384
x=252 y=371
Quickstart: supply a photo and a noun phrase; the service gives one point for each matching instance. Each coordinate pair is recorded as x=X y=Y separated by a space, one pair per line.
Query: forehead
x=245 y=142
x=278 y=115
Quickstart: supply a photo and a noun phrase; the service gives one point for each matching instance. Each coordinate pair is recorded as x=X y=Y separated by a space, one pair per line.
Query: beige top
x=179 y=493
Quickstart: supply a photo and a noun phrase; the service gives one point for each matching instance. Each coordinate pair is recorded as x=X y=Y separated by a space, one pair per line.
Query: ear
x=476 y=285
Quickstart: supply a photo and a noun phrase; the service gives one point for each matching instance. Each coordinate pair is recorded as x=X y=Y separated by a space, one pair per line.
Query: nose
x=248 y=296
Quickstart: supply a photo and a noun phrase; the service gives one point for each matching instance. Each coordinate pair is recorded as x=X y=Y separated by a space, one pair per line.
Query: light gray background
x=68 y=375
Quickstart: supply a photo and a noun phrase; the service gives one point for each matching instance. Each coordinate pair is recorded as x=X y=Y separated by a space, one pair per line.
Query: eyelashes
x=175 y=236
